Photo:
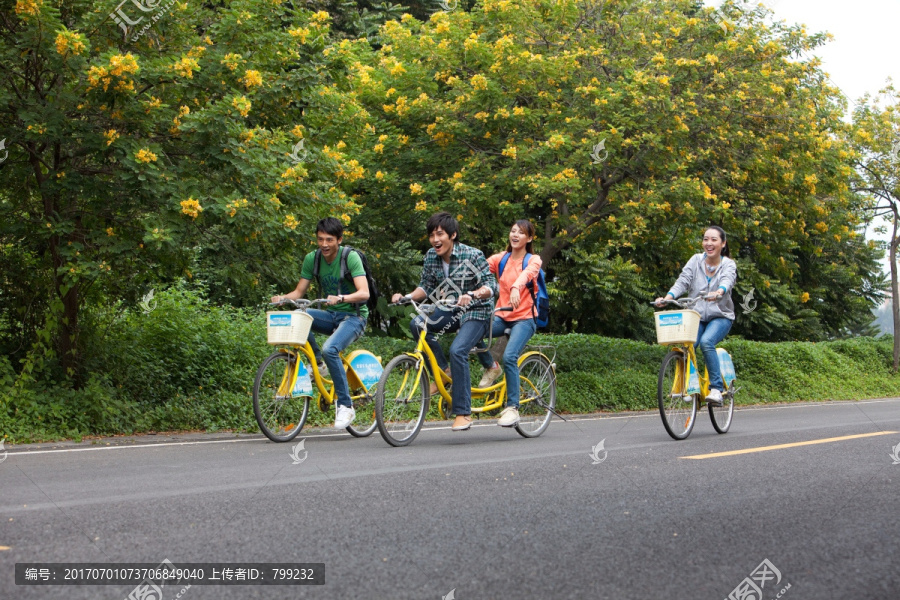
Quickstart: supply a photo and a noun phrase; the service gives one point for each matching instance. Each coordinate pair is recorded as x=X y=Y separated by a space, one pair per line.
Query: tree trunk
x=895 y=291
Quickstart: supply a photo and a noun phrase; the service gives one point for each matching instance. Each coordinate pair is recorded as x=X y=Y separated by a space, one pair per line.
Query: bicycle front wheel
x=721 y=415
x=400 y=402
x=280 y=415
x=537 y=395
x=677 y=408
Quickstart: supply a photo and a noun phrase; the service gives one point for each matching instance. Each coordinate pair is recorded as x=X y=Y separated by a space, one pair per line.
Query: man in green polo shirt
x=345 y=318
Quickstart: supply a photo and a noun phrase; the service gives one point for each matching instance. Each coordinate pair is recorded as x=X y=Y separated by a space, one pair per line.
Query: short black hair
x=331 y=226
x=445 y=221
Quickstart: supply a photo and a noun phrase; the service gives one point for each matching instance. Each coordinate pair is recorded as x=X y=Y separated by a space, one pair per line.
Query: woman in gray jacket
x=710 y=274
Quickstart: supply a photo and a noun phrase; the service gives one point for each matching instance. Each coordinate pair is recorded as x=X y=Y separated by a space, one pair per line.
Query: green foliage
x=498 y=113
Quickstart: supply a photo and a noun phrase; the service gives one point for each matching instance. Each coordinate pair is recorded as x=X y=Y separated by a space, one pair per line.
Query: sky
x=864 y=52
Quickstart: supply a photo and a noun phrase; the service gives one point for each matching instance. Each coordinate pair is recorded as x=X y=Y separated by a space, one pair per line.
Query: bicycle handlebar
x=301 y=304
x=682 y=303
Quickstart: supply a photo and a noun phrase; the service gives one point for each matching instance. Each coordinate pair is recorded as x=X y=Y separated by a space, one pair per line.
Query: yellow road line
x=794 y=445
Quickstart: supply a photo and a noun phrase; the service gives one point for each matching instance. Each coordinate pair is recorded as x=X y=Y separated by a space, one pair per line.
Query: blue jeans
x=470 y=333
x=519 y=334
x=711 y=333
x=343 y=329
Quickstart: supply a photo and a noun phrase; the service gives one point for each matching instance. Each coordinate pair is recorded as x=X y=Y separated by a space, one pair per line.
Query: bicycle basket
x=288 y=327
x=677 y=326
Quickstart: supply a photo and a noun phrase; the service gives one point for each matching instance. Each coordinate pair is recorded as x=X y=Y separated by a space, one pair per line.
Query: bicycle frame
x=290 y=377
x=495 y=395
x=703 y=378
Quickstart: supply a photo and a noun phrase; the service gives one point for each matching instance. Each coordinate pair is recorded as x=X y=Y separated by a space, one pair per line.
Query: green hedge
x=189 y=365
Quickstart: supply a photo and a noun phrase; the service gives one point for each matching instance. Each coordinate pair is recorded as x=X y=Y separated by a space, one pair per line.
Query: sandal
x=461 y=423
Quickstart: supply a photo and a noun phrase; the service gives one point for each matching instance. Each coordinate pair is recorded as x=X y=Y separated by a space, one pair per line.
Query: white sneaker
x=490 y=376
x=344 y=417
x=509 y=417
x=714 y=397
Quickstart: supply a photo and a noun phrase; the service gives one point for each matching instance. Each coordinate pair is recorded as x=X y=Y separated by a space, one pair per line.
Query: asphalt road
x=484 y=513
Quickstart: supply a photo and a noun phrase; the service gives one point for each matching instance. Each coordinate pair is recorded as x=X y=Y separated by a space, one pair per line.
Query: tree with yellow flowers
x=152 y=141
x=876 y=141
x=622 y=128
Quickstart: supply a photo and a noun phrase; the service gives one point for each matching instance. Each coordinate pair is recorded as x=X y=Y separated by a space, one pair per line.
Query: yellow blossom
x=111 y=136
x=416 y=189
x=28 y=7
x=252 y=79
x=186 y=67
x=144 y=155
x=242 y=105
x=421 y=206
x=479 y=82
x=291 y=222
x=110 y=231
x=191 y=208
x=804 y=297
x=379 y=175
x=232 y=61
x=379 y=148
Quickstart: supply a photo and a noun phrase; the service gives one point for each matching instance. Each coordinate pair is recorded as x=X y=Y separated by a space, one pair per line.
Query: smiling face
x=713 y=243
x=519 y=238
x=441 y=242
x=328 y=244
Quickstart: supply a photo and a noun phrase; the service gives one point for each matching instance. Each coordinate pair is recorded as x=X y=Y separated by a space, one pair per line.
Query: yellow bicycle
x=402 y=397
x=284 y=382
x=680 y=387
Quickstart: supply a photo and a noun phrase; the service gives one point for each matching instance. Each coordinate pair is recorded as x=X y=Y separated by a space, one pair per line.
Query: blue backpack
x=540 y=307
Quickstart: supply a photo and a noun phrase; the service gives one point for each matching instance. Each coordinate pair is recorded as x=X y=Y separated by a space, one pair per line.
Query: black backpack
x=345 y=274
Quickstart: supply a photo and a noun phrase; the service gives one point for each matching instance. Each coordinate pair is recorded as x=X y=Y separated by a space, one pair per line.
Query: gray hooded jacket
x=693 y=281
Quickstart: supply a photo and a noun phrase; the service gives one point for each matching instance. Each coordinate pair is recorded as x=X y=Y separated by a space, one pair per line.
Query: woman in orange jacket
x=514 y=268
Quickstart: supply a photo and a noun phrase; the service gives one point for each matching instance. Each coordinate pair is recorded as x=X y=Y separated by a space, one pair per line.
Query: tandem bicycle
x=402 y=397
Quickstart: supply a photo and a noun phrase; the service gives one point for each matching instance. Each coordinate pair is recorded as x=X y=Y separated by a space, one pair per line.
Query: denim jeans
x=470 y=333
x=519 y=334
x=711 y=333
x=343 y=329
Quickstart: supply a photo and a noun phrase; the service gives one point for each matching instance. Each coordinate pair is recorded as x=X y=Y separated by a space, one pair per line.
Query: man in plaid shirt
x=455 y=271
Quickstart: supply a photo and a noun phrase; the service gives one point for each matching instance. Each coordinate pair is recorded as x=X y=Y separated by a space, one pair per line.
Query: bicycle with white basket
x=284 y=382
x=681 y=387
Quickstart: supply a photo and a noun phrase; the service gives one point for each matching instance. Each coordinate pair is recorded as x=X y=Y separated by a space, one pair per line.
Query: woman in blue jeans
x=710 y=274
x=512 y=276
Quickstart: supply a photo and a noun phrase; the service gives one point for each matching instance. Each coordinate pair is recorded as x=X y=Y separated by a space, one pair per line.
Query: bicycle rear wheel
x=537 y=395
x=400 y=404
x=280 y=415
x=677 y=408
x=721 y=415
